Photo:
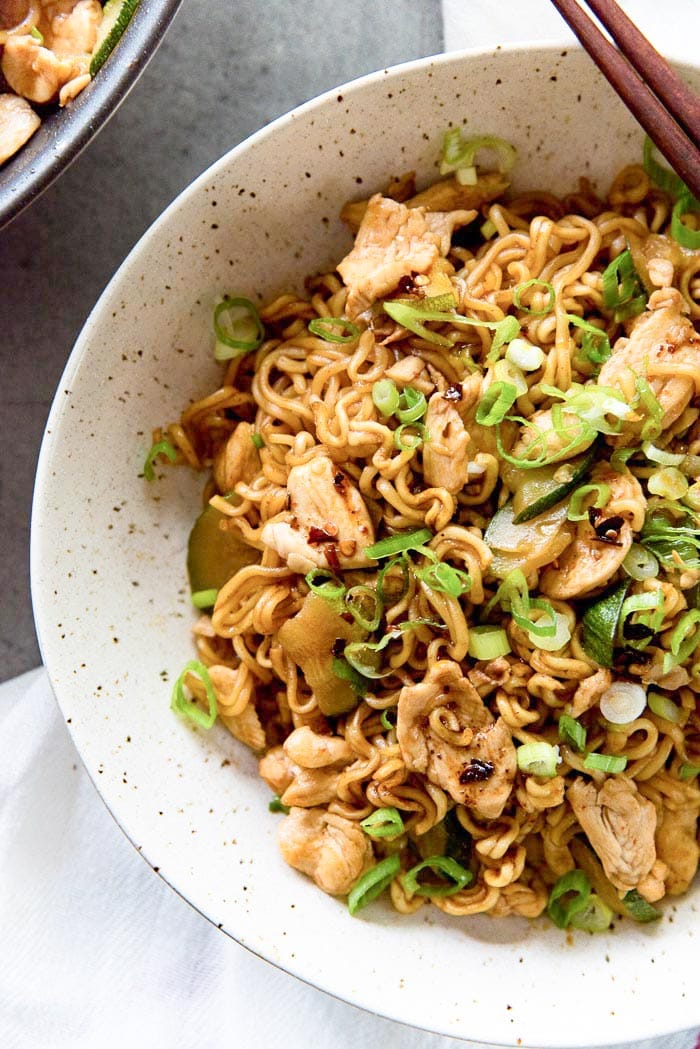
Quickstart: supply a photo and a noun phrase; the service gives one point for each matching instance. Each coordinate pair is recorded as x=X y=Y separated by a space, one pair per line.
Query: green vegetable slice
x=214 y=555
x=541 y=490
x=116 y=15
x=600 y=625
x=639 y=908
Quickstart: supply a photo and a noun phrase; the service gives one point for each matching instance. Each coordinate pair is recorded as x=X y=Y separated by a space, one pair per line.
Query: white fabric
x=99 y=953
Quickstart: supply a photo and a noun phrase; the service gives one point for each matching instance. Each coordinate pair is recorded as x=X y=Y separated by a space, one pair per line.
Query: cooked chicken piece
x=311 y=750
x=446 y=732
x=406 y=371
x=70 y=28
x=394 y=241
x=620 y=825
x=246 y=727
x=35 y=72
x=530 y=444
x=276 y=769
x=328 y=514
x=238 y=460
x=487 y=677
x=333 y=851
x=663 y=347
x=589 y=692
x=18 y=122
x=311 y=787
x=446 y=195
x=445 y=455
x=677 y=844
x=598 y=551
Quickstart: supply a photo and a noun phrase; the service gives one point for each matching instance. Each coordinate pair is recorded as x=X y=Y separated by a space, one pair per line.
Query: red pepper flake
x=332 y=558
x=320 y=535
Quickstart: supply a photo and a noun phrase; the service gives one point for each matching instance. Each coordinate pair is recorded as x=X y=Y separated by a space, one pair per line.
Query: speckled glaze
x=108 y=563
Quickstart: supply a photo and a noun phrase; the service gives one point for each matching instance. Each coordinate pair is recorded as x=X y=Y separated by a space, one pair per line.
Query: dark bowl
x=64 y=133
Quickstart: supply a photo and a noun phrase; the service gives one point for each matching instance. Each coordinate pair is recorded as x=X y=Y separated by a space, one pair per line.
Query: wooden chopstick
x=678 y=141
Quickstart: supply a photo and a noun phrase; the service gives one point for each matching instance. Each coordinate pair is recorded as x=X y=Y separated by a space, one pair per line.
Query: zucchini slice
x=214 y=555
x=600 y=625
x=116 y=15
x=540 y=490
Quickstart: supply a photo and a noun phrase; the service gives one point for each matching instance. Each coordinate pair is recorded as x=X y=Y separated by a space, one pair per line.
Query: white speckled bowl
x=108 y=563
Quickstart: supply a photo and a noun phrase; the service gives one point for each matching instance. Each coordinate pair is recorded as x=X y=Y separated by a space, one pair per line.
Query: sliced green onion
x=654 y=412
x=396 y=544
x=37 y=35
x=639 y=908
x=386 y=724
x=686 y=237
x=413 y=319
x=412 y=405
x=652 y=601
x=592 y=404
x=361 y=657
x=385 y=396
x=445 y=579
x=357 y=682
x=183 y=705
x=577 y=511
x=669 y=542
x=580 y=435
x=622 y=702
x=496 y=403
x=488 y=642
x=237 y=327
x=640 y=563
x=572 y=732
x=323 y=583
x=204 y=598
x=623 y=291
x=488 y=229
x=159 y=448
x=663 y=176
x=538 y=759
x=459 y=878
x=514 y=597
x=525 y=355
x=562 y=632
x=383 y=823
x=595 y=344
x=669 y=482
x=688 y=771
x=658 y=455
x=365 y=606
x=323 y=327
x=504 y=333
x=459 y=154
x=534 y=283
x=402 y=563
x=605 y=762
x=373 y=883
x=665 y=708
x=595 y=917
x=569 y=896
x=277 y=806
x=507 y=372
x=684 y=639
x=413 y=440
x=257 y=439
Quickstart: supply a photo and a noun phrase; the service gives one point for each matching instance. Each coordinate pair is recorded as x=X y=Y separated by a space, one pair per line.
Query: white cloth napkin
x=97 y=951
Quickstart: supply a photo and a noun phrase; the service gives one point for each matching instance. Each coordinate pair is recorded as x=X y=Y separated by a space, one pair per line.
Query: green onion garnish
x=413 y=440
x=365 y=605
x=323 y=327
x=488 y=642
x=37 y=35
x=396 y=544
x=514 y=597
x=496 y=403
x=361 y=655
x=204 y=598
x=444 y=578
x=684 y=639
x=596 y=916
x=667 y=540
x=640 y=563
x=649 y=601
x=357 y=682
x=182 y=705
x=572 y=732
x=534 y=283
x=595 y=344
x=277 y=806
x=664 y=707
x=686 y=237
x=373 y=883
x=402 y=563
x=538 y=759
x=577 y=511
x=569 y=896
x=688 y=771
x=663 y=176
x=654 y=412
x=323 y=583
x=605 y=762
x=386 y=723
x=257 y=439
x=639 y=908
x=412 y=405
x=459 y=154
x=623 y=291
x=383 y=823
x=385 y=396
x=445 y=865
x=237 y=327
x=159 y=448
x=413 y=319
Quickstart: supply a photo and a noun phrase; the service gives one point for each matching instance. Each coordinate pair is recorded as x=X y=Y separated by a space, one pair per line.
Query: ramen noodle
x=449 y=558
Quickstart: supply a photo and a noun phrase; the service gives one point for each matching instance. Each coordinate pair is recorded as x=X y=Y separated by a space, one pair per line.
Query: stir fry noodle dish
x=447 y=563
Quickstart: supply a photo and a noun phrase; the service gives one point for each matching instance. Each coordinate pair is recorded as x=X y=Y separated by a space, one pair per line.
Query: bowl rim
x=48 y=444
x=65 y=133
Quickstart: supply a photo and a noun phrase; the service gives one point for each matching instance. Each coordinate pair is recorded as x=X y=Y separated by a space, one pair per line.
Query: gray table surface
x=224 y=70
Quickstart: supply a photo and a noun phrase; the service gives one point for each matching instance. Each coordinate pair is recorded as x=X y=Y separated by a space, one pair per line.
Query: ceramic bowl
x=108 y=562
x=64 y=133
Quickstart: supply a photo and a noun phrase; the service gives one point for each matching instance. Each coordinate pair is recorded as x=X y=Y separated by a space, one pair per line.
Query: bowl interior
x=108 y=561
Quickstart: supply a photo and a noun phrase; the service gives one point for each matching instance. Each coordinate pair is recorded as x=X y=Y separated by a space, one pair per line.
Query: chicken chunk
x=330 y=525
x=540 y=438
x=36 y=72
x=238 y=460
x=332 y=850
x=445 y=455
x=311 y=750
x=276 y=768
x=394 y=241
x=70 y=27
x=18 y=122
x=589 y=691
x=446 y=732
x=599 y=548
x=677 y=844
x=620 y=825
x=303 y=787
x=664 y=347
x=445 y=195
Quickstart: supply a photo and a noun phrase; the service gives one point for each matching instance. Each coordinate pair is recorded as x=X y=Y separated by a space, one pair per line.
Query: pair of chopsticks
x=663 y=104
